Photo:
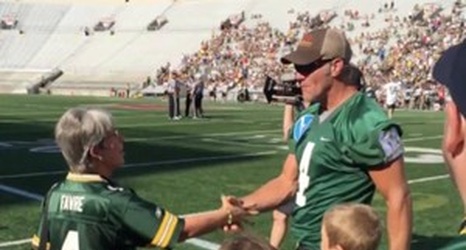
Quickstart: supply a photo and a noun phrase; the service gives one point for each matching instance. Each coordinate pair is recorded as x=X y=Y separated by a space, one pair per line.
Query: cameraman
x=280 y=214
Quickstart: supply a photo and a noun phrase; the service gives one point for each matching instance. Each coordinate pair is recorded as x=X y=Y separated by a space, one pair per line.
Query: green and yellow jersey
x=90 y=212
x=335 y=151
x=459 y=243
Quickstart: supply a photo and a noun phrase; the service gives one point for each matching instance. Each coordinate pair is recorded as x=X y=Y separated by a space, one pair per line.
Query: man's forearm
x=288 y=118
x=271 y=194
x=201 y=223
x=399 y=221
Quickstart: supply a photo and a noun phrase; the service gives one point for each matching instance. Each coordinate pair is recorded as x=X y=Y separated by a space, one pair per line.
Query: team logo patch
x=301 y=126
x=391 y=144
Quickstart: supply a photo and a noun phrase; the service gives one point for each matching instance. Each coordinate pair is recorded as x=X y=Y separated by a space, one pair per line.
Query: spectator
x=351 y=227
x=91 y=211
x=449 y=71
x=198 y=94
x=330 y=164
x=245 y=242
x=189 y=97
x=282 y=213
x=173 y=92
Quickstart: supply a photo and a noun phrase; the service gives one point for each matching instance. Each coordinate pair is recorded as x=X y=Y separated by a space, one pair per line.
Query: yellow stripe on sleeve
x=171 y=229
x=36 y=241
x=166 y=229
x=161 y=229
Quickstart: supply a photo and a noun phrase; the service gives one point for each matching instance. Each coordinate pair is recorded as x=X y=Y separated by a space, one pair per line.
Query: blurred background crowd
x=238 y=57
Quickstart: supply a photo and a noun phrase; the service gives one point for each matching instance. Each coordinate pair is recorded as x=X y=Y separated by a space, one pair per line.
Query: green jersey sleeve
x=375 y=147
x=35 y=241
x=150 y=224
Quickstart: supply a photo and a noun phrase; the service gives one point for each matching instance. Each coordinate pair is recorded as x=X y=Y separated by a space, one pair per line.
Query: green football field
x=186 y=165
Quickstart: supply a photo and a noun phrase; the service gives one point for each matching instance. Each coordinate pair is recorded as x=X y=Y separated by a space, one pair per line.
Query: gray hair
x=77 y=131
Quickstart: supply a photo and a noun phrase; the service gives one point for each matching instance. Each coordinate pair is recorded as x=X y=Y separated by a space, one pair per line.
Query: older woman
x=89 y=211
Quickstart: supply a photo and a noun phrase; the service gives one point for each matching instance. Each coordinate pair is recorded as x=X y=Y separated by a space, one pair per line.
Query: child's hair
x=245 y=242
x=353 y=227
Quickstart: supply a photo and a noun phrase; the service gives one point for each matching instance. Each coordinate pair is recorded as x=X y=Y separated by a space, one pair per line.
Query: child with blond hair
x=351 y=226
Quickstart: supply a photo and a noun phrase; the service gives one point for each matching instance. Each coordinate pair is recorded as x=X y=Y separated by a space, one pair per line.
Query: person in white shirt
x=417 y=97
x=408 y=94
x=173 y=91
x=391 y=96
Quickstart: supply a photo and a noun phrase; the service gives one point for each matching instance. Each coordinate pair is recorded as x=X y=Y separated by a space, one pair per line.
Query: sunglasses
x=306 y=70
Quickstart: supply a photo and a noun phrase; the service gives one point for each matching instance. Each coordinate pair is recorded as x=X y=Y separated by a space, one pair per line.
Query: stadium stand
x=36 y=20
x=59 y=34
x=23 y=81
x=137 y=17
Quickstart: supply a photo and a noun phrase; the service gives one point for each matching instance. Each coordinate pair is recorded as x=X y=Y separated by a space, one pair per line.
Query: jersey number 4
x=71 y=241
x=304 y=178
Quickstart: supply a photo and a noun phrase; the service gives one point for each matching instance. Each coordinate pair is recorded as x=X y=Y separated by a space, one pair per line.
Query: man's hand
x=237 y=211
x=289 y=100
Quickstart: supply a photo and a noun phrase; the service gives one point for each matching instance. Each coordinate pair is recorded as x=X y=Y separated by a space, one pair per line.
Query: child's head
x=351 y=227
x=245 y=242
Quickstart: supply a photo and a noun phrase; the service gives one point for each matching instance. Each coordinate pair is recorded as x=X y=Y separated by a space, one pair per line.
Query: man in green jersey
x=281 y=214
x=89 y=211
x=449 y=71
x=341 y=148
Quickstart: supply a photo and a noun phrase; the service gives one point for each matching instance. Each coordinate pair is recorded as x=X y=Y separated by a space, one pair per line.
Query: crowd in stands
x=397 y=61
x=404 y=50
x=233 y=57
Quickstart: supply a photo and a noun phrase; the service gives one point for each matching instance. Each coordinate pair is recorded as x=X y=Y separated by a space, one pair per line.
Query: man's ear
x=453 y=139
x=336 y=68
x=95 y=152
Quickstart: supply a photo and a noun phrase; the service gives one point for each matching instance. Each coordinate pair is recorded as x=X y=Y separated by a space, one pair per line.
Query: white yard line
x=188 y=160
x=15 y=243
x=194 y=122
x=431 y=178
x=204 y=244
x=423 y=138
x=234 y=143
x=149 y=164
x=155 y=163
x=20 y=192
x=171 y=137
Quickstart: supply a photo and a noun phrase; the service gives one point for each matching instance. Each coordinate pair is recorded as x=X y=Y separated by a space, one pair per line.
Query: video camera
x=285 y=89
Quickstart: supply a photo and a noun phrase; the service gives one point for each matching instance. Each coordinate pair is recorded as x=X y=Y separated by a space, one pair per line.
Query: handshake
x=236 y=211
x=230 y=217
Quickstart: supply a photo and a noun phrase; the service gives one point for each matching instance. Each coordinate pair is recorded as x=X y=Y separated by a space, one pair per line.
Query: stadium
x=117 y=55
